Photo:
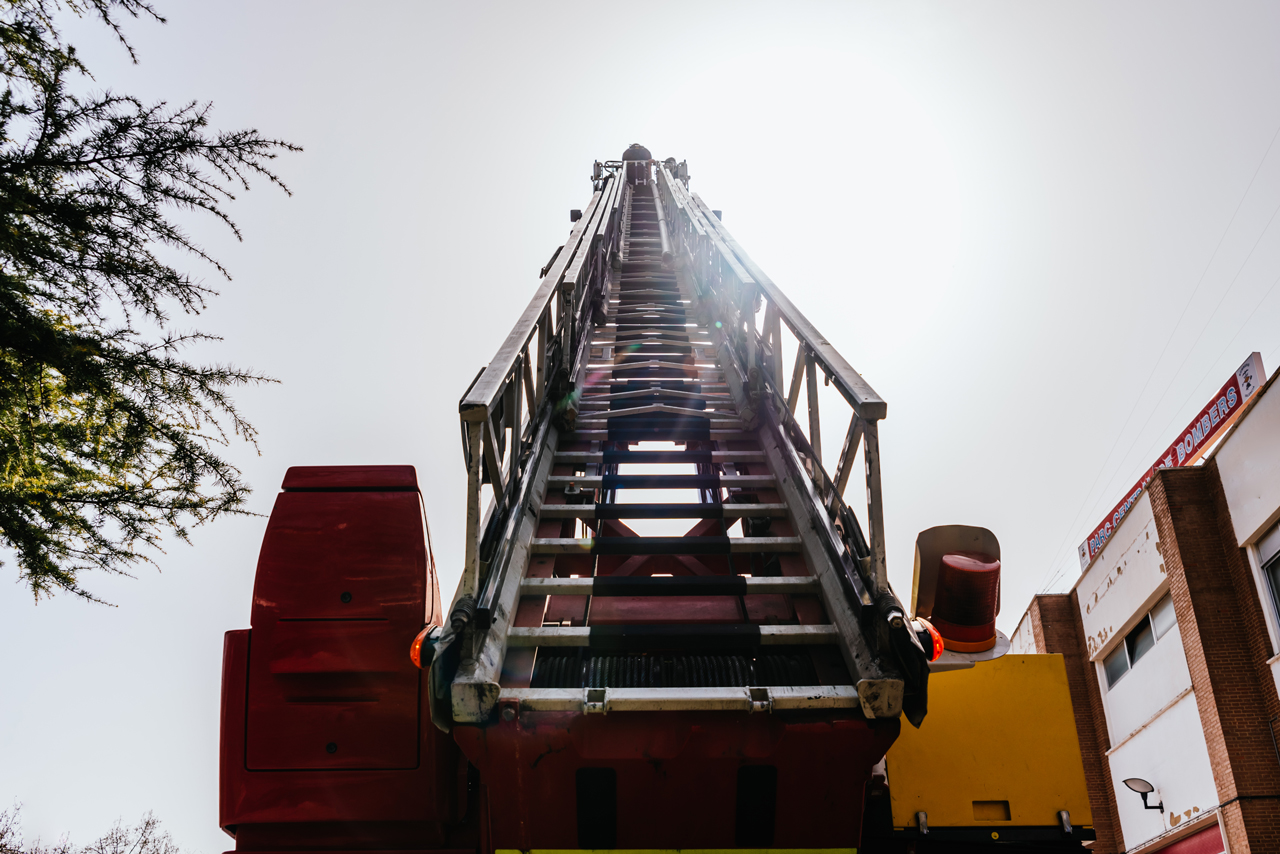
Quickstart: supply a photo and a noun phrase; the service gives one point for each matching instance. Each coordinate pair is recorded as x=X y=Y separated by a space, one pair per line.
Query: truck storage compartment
x=340 y=594
x=326 y=740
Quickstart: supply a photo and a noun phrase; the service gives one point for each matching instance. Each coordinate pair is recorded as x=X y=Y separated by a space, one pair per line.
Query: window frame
x=1131 y=639
x=1266 y=589
x=1124 y=642
x=1266 y=567
x=1168 y=596
x=1102 y=662
x=1269 y=563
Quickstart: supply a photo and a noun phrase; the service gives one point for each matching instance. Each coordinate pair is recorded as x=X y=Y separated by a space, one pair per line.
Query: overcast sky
x=1042 y=232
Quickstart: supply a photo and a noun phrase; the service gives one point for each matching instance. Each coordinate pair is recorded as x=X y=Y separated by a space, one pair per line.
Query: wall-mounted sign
x=1218 y=414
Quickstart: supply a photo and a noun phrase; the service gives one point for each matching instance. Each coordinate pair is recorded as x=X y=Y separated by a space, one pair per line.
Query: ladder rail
x=479 y=401
x=491 y=405
x=727 y=271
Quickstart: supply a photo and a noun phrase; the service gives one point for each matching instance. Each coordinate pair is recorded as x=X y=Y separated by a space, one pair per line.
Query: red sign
x=1216 y=416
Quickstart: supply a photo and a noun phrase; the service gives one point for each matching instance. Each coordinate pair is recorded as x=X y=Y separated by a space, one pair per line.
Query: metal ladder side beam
x=474 y=689
x=477 y=403
x=881 y=690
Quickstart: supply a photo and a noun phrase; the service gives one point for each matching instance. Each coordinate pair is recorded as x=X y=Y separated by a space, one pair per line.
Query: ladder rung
x=691 y=585
x=654 y=364
x=652 y=331
x=663 y=545
x=637 y=380
x=661 y=511
x=745 y=699
x=669 y=337
x=716 y=416
x=629 y=457
x=706 y=636
x=665 y=342
x=631 y=293
x=672 y=338
x=715 y=392
x=601 y=403
x=660 y=481
x=586 y=433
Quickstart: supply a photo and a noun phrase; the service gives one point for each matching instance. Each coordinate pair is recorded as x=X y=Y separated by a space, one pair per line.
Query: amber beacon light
x=427 y=637
x=930 y=639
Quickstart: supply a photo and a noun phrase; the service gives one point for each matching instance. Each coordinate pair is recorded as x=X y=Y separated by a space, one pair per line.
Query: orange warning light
x=415 y=648
x=935 y=646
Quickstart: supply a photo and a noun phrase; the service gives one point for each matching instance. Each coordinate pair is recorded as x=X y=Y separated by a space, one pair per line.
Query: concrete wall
x=1153 y=726
x=1191 y=716
x=1249 y=465
x=1226 y=645
x=1126 y=579
x=1157 y=680
x=1023 y=639
x=1171 y=754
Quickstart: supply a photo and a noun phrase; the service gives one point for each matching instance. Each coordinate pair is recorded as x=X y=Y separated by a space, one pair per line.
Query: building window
x=1162 y=618
x=1116 y=664
x=1141 y=639
x=1269 y=557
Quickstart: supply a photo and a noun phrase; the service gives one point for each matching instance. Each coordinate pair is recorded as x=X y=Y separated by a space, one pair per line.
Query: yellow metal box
x=997 y=749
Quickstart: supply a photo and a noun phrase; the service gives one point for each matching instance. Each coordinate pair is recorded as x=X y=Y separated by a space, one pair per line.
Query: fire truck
x=671 y=630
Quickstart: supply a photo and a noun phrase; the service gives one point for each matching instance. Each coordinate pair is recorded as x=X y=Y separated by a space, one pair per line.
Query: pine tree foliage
x=145 y=837
x=109 y=438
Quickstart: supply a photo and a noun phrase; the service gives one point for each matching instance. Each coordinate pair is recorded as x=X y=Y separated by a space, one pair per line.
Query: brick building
x=1171 y=638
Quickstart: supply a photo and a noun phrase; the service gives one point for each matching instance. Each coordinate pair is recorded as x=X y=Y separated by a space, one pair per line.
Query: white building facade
x=1173 y=632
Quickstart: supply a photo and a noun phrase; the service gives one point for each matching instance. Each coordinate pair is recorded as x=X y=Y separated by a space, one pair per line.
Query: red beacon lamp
x=967 y=600
x=956 y=594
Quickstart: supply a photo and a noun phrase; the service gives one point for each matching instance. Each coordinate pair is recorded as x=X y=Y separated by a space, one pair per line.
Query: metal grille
x=581 y=669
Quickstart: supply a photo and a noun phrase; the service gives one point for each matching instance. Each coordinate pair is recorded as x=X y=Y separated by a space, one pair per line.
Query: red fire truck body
x=593 y=687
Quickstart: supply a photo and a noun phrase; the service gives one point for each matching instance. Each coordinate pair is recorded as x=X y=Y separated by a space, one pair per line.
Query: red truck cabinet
x=326 y=740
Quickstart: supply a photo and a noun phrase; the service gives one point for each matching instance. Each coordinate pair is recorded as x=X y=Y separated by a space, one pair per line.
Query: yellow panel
x=1001 y=731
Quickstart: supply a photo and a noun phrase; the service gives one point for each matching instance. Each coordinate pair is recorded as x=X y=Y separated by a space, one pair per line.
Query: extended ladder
x=661 y=533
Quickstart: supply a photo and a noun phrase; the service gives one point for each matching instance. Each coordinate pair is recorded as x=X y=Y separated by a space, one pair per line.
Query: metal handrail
x=507 y=387
x=478 y=403
x=723 y=270
x=859 y=394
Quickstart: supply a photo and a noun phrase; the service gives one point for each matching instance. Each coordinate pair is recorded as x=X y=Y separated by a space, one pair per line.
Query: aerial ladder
x=671 y=631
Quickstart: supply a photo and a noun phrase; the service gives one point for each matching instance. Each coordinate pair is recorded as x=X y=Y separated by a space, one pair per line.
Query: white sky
x=997 y=211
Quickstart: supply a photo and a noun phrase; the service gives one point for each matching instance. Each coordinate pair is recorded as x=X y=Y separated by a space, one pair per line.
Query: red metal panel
x=662 y=610
x=676 y=775
x=320 y=545
x=340 y=594
x=566 y=610
x=769 y=608
x=333 y=694
x=250 y=801
x=809 y=610
x=1207 y=841
x=350 y=477
x=235 y=677
x=321 y=667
